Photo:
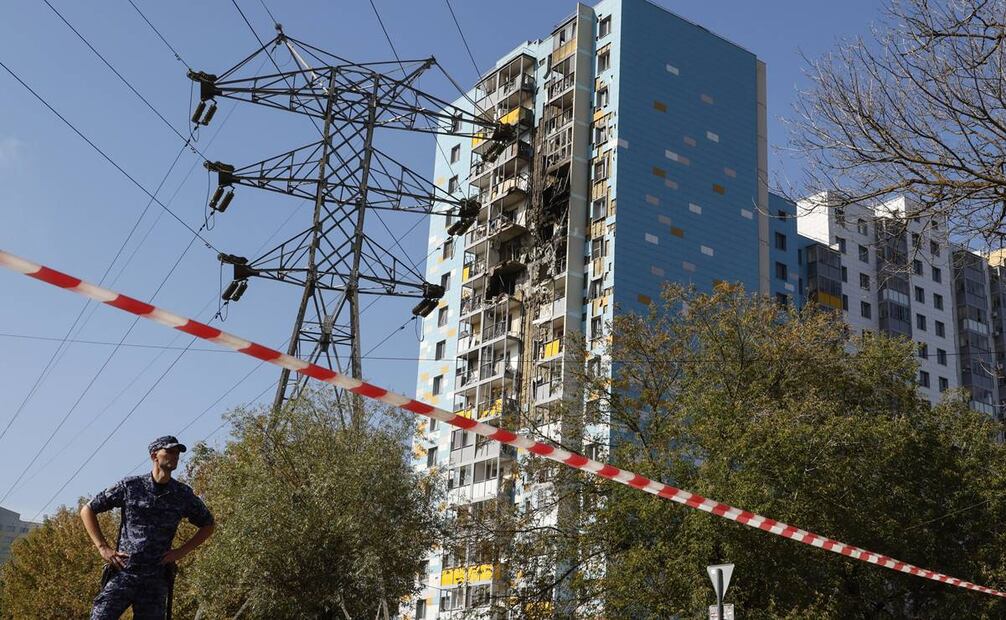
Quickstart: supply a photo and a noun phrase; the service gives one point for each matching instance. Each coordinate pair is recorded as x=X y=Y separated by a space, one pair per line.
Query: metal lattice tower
x=345 y=174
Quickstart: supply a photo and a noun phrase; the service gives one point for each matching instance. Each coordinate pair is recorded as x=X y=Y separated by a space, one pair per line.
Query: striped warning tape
x=560 y=455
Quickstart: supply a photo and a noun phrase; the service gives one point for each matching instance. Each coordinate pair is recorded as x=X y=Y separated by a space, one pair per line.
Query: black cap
x=165 y=443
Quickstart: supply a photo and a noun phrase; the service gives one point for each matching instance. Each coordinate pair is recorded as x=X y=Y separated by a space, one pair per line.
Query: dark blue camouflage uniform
x=152 y=513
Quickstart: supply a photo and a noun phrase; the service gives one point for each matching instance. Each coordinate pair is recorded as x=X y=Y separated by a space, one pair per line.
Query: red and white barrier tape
x=572 y=459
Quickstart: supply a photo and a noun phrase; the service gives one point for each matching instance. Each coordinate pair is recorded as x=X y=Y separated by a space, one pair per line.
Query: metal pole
x=719 y=594
x=353 y=286
x=316 y=234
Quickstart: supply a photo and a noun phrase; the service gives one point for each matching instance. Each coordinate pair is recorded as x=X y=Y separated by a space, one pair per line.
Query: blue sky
x=61 y=205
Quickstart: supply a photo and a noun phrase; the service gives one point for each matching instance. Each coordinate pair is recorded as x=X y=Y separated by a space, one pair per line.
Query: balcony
x=549 y=350
x=473 y=270
x=470 y=304
x=476 y=234
x=557 y=88
x=547 y=391
x=520 y=117
x=520 y=84
x=505 y=222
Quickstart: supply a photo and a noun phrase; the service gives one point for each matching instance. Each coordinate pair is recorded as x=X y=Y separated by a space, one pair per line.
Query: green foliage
x=721 y=396
x=54 y=571
x=313 y=518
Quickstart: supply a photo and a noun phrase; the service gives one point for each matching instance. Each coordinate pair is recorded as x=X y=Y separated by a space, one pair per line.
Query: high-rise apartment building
x=640 y=158
x=895 y=275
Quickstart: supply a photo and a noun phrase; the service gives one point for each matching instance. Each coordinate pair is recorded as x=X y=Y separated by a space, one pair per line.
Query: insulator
x=230 y=290
x=225 y=202
x=210 y=113
x=460 y=227
x=216 y=197
x=199 y=112
x=424 y=308
x=241 y=288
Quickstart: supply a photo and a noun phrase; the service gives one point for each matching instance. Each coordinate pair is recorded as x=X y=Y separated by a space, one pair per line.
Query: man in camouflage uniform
x=152 y=506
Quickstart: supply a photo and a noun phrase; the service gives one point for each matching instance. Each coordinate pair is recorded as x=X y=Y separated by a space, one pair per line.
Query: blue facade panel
x=687 y=162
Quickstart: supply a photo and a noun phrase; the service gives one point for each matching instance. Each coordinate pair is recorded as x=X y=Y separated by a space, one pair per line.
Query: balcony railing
x=558 y=87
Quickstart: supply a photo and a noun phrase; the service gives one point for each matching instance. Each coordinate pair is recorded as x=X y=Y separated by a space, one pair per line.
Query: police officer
x=152 y=506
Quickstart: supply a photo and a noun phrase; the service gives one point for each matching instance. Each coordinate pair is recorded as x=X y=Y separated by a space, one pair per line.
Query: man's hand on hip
x=174 y=556
x=113 y=557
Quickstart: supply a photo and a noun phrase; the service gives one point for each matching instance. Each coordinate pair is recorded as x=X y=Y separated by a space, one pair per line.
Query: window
x=937 y=275
x=602 y=97
x=456 y=153
x=917 y=267
x=923 y=378
x=841 y=244
x=934 y=248
x=781 y=271
x=442 y=317
x=438 y=385
x=600 y=134
x=782 y=215
x=601 y=169
x=920 y=294
x=599 y=208
x=445 y=281
x=431 y=457
x=864 y=253
x=864 y=310
x=441 y=349
x=845 y=302
x=456 y=124
x=604 y=28
x=864 y=281
x=782 y=299
x=941 y=331
x=944 y=384
x=941 y=357
x=915 y=240
x=448 y=251
x=845 y=274
x=604 y=61
x=595 y=327
x=780 y=241
x=920 y=322
x=923 y=349
x=453 y=185
x=421 y=610
x=862 y=227
x=937 y=301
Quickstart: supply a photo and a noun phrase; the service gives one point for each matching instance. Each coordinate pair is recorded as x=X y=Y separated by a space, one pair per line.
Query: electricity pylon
x=344 y=173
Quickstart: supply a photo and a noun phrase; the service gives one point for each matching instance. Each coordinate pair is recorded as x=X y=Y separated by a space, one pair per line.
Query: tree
x=315 y=520
x=54 y=571
x=916 y=110
x=776 y=412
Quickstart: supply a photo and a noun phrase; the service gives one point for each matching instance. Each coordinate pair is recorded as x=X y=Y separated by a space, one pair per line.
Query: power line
x=186 y=140
x=52 y=359
x=178 y=56
x=386 y=35
x=463 y=39
x=93 y=379
x=112 y=432
x=107 y=158
x=271 y=16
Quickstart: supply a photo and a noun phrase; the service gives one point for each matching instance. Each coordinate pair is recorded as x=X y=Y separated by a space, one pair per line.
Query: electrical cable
x=53 y=358
x=463 y=39
x=188 y=141
x=93 y=379
x=106 y=157
x=178 y=56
